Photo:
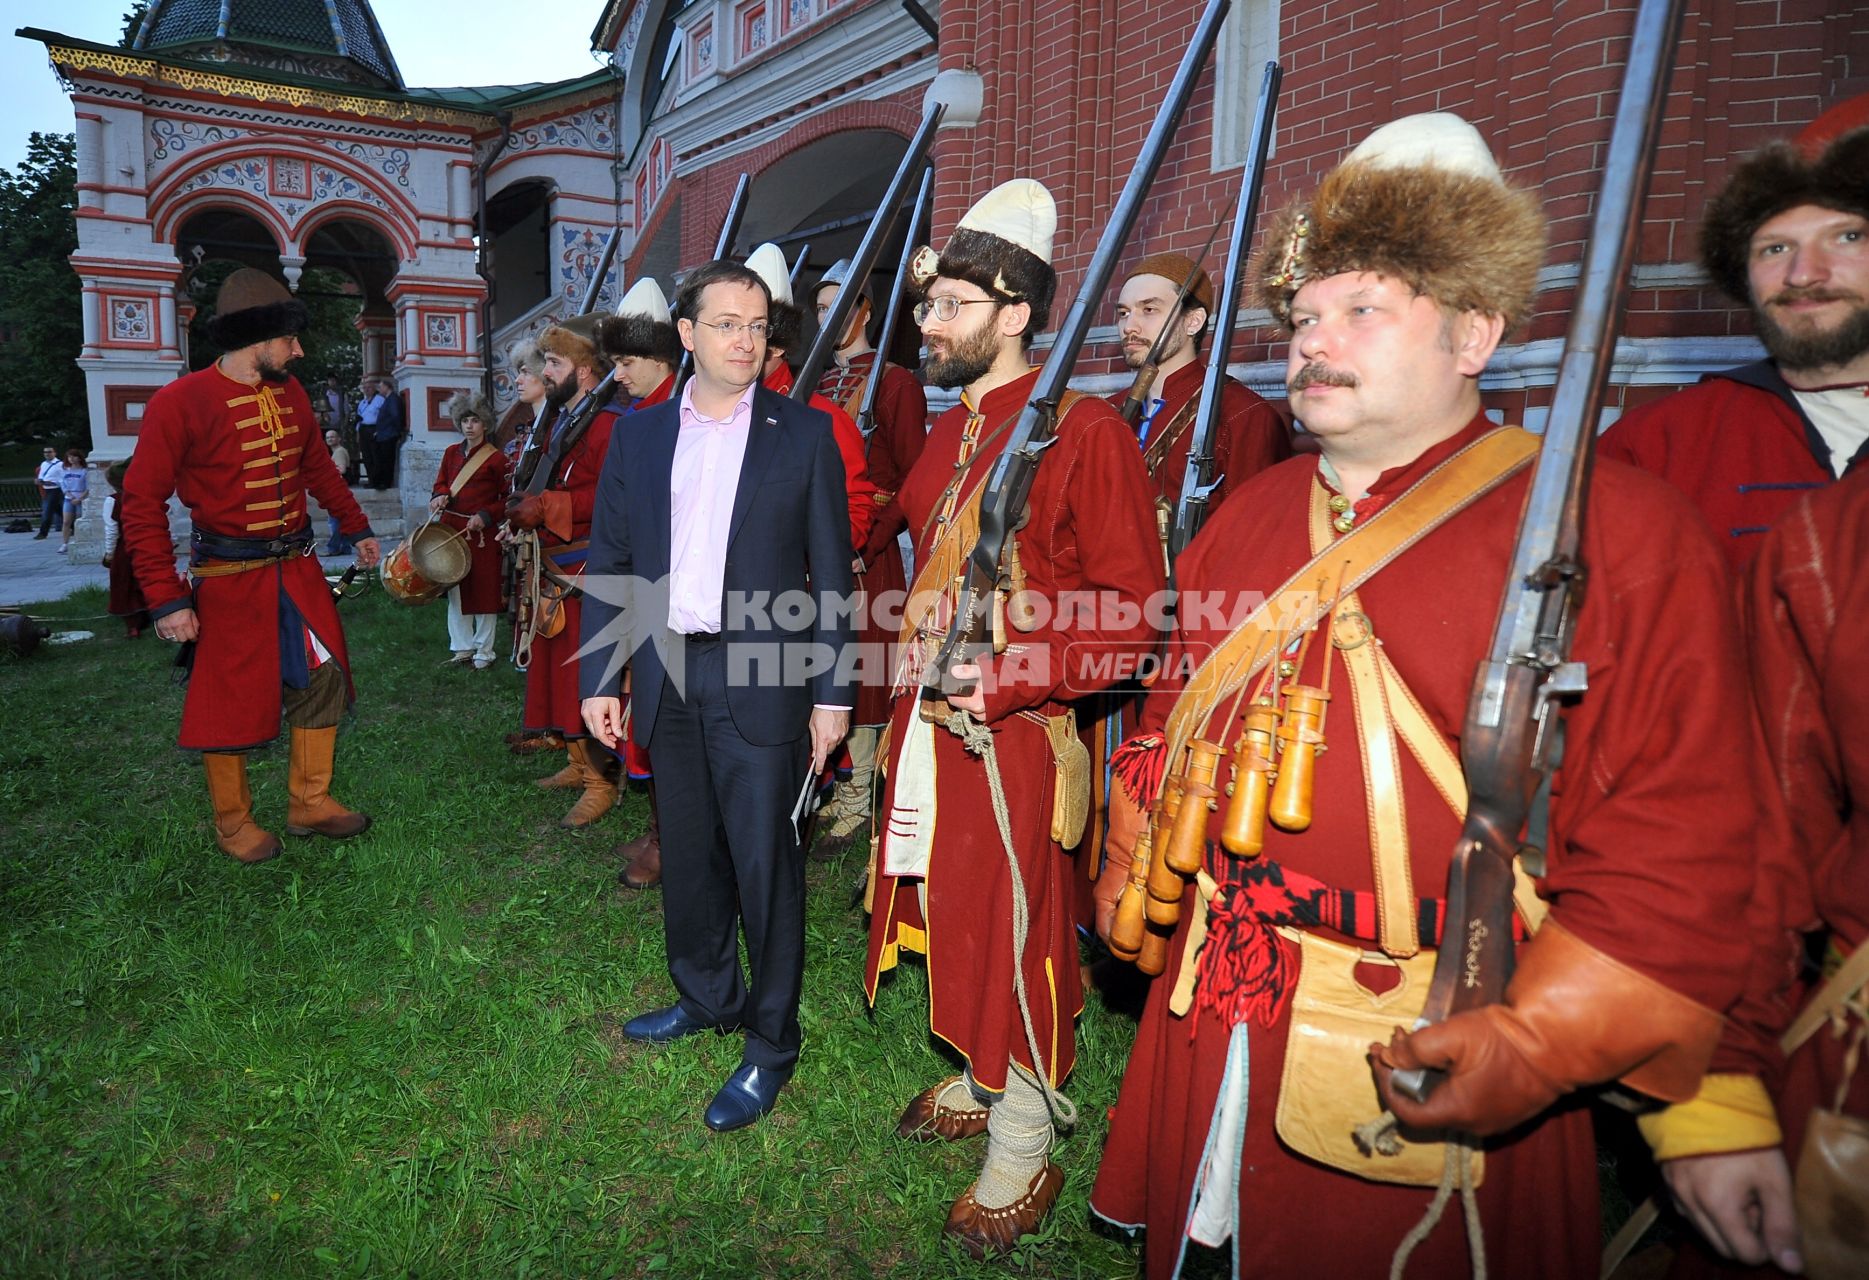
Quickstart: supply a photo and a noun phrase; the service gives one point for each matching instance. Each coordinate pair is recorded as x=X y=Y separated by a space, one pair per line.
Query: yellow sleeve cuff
x=1730 y=1113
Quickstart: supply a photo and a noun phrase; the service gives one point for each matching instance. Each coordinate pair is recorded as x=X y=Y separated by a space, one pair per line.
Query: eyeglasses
x=945 y=307
x=729 y=330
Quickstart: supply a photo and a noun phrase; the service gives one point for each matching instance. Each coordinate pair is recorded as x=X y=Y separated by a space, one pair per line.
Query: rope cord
x=978 y=739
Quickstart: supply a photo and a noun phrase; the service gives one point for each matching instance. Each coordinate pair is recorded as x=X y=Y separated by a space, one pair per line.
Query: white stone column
x=171 y=334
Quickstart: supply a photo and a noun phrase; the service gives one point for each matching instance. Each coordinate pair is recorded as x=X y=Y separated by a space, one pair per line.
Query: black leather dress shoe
x=663 y=1025
x=748 y=1094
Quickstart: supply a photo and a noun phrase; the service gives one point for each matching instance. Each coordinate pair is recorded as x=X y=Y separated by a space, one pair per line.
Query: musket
x=798 y=265
x=529 y=456
x=868 y=250
x=1198 y=484
x=1513 y=734
x=1009 y=483
x=729 y=232
x=892 y=314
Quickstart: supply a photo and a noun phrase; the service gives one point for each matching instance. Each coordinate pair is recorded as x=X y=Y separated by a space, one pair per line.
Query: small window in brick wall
x=1248 y=40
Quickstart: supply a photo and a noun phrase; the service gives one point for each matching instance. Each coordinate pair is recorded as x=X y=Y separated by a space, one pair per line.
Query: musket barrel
x=868 y=250
x=1010 y=481
x=892 y=314
x=1191 y=509
x=1538 y=612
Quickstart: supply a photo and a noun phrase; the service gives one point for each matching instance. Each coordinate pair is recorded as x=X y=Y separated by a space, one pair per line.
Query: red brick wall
x=1070 y=93
x=1071 y=87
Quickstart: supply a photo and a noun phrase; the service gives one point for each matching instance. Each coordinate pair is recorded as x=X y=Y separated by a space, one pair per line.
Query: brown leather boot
x=566 y=778
x=600 y=794
x=234 y=829
x=642 y=857
x=310 y=810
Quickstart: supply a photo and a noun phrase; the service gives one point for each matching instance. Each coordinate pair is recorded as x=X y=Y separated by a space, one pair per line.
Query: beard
x=271 y=372
x=1135 y=357
x=965 y=361
x=558 y=394
x=1814 y=348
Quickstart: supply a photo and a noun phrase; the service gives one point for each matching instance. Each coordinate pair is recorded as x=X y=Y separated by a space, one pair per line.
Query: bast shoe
x=749 y=1093
x=982 y=1231
x=930 y=1118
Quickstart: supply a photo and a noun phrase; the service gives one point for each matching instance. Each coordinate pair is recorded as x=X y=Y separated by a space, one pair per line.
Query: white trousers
x=469 y=632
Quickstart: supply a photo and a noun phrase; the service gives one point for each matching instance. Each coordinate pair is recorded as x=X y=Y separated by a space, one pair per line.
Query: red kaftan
x=1807 y=615
x=1734 y=444
x=895 y=442
x=484 y=495
x=552 y=700
x=1249 y=437
x=1651 y=818
x=1091 y=531
x=241 y=458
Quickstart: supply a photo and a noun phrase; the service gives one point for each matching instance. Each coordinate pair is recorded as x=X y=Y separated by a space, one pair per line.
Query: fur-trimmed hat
x=1422 y=201
x=1003 y=245
x=524 y=356
x=575 y=339
x=642 y=326
x=1770 y=182
x=465 y=403
x=785 y=319
x=1176 y=268
x=254 y=307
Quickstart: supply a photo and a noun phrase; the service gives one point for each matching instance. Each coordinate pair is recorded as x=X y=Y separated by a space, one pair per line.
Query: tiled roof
x=344 y=29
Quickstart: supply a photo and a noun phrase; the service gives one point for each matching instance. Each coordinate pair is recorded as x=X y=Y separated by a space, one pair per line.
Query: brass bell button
x=1339 y=504
x=1343 y=523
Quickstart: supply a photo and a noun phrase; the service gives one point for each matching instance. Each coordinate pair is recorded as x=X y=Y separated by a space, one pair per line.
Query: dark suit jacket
x=790 y=534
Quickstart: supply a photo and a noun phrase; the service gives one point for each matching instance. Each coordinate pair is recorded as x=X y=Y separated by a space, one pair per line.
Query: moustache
x=1320 y=375
x=1811 y=293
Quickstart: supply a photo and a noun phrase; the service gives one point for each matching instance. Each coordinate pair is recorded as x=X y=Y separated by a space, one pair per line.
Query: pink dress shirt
x=703 y=480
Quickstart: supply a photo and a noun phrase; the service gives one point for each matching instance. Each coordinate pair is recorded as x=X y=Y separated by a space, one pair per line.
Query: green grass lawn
x=403 y=1055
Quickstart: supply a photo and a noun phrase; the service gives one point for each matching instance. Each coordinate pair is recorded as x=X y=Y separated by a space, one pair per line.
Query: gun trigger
x=1202 y=491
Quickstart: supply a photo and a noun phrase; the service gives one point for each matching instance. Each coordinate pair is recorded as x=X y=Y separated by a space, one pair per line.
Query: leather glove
x=1572 y=1017
x=526 y=511
x=1126 y=822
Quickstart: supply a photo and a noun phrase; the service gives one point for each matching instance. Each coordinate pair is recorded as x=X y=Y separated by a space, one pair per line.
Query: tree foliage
x=42 y=394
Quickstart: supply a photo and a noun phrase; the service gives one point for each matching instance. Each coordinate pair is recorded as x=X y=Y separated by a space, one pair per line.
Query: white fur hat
x=1433 y=139
x=646 y=299
x=769 y=264
x=1021 y=212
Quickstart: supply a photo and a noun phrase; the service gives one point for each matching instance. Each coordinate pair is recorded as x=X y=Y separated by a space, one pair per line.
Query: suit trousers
x=730 y=858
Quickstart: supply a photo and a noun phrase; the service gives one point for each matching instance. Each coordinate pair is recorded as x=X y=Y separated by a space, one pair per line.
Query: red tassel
x=1246 y=969
x=1137 y=766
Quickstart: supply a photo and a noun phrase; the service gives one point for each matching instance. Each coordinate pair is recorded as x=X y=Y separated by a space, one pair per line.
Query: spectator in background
x=126 y=598
x=75 y=482
x=337 y=544
x=391 y=426
x=51 y=492
x=369 y=409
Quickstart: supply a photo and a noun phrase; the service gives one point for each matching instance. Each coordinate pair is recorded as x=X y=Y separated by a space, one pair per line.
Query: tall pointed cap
x=768 y=262
x=646 y=300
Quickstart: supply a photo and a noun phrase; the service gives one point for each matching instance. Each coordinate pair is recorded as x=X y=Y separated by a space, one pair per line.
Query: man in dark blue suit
x=720 y=571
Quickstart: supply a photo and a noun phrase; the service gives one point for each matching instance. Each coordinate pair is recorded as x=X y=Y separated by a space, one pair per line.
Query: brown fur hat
x=1770 y=182
x=576 y=340
x=1432 y=212
x=254 y=307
